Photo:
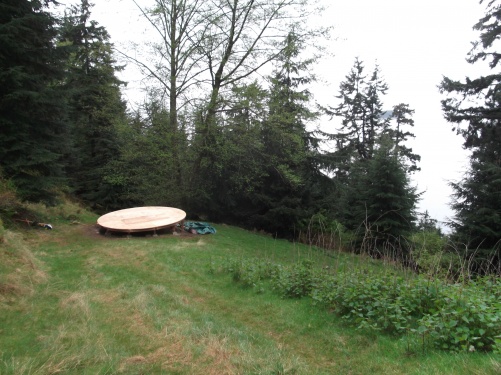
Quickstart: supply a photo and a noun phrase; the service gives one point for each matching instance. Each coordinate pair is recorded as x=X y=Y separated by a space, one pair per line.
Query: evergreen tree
x=474 y=110
x=32 y=103
x=379 y=204
x=243 y=160
x=363 y=121
x=351 y=139
x=477 y=203
x=370 y=141
x=427 y=224
x=360 y=109
x=291 y=185
x=96 y=104
x=390 y=200
x=377 y=122
x=351 y=204
x=402 y=116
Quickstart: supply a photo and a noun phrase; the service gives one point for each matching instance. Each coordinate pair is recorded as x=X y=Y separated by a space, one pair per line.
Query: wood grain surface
x=141 y=218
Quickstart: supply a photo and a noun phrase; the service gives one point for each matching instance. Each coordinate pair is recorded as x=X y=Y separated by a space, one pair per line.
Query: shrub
x=454 y=317
x=427 y=251
x=249 y=273
x=366 y=300
x=468 y=320
x=297 y=281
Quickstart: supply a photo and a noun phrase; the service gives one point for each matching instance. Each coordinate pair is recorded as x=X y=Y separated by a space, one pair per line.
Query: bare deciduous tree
x=244 y=36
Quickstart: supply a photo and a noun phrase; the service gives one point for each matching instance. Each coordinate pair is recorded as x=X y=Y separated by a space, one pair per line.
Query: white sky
x=415 y=44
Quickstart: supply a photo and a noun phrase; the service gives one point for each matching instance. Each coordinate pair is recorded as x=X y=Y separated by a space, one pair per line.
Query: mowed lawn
x=76 y=302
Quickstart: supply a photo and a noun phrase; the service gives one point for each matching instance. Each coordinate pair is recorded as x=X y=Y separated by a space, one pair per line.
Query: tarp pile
x=197 y=227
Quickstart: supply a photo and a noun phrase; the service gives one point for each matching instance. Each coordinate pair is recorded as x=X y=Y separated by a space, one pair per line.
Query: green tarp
x=198 y=227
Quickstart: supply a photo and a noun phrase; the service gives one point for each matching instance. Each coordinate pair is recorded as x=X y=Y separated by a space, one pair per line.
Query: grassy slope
x=75 y=302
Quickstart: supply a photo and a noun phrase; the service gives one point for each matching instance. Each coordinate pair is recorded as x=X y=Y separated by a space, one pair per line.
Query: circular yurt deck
x=141 y=219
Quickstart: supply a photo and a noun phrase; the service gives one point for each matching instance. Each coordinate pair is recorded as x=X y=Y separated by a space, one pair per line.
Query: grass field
x=75 y=302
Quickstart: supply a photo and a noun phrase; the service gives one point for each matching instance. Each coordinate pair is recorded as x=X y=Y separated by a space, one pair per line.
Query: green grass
x=75 y=302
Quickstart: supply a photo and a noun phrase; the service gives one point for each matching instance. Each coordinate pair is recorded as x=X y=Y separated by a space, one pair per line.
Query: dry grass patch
x=106 y=297
x=131 y=317
x=171 y=356
x=167 y=338
x=183 y=244
x=77 y=303
x=167 y=350
x=189 y=296
x=20 y=270
x=72 y=346
x=220 y=353
x=496 y=365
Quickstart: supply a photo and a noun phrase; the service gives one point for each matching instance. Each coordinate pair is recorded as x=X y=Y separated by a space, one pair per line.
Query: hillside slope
x=75 y=302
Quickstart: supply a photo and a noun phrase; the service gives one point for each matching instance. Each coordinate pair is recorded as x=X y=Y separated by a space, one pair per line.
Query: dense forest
x=226 y=143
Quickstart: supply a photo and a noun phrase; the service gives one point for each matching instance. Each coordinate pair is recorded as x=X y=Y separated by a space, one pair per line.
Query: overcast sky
x=415 y=44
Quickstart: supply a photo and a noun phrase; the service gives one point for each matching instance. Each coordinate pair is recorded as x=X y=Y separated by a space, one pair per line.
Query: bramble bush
x=296 y=281
x=468 y=320
x=387 y=302
x=450 y=316
x=248 y=273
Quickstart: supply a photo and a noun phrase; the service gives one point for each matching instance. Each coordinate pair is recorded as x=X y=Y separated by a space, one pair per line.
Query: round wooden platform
x=141 y=219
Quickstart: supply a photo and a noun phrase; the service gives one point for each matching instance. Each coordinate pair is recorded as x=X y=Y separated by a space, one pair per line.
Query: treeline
x=225 y=146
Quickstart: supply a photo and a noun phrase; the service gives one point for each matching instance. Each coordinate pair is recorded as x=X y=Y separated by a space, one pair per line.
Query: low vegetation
x=450 y=316
x=75 y=302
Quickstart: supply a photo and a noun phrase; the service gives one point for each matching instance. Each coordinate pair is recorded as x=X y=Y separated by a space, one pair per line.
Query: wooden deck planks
x=140 y=219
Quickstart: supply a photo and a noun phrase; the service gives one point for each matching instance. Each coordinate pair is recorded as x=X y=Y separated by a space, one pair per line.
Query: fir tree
x=361 y=113
x=291 y=151
x=243 y=162
x=477 y=203
x=371 y=161
x=390 y=200
x=95 y=100
x=379 y=204
x=376 y=121
x=402 y=116
x=364 y=121
x=147 y=160
x=352 y=138
x=474 y=109
x=32 y=104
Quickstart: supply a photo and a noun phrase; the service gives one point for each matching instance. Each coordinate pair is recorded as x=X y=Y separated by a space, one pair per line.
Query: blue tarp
x=199 y=227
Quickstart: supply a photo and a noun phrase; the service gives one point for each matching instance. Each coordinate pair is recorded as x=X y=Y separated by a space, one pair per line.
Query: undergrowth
x=450 y=316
